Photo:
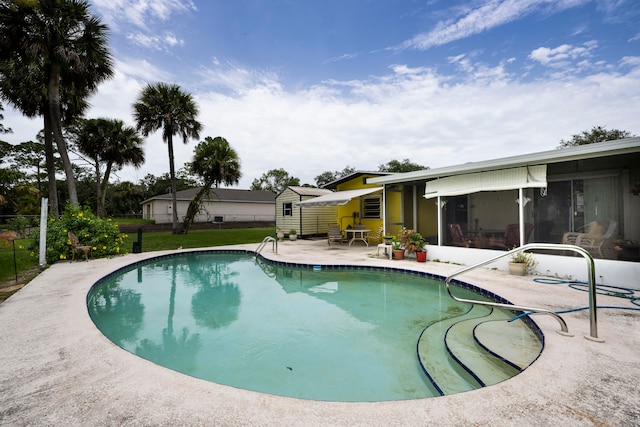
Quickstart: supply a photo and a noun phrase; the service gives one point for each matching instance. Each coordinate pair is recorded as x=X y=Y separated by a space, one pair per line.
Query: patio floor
x=56 y=368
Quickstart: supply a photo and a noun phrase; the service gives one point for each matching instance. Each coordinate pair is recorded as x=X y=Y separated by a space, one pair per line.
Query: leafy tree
x=30 y=156
x=596 y=134
x=108 y=143
x=156 y=185
x=396 y=166
x=124 y=199
x=275 y=180
x=328 y=176
x=215 y=162
x=62 y=49
x=167 y=107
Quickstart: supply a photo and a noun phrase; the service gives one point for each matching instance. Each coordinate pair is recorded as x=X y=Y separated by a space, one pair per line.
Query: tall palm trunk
x=51 y=166
x=53 y=90
x=102 y=190
x=172 y=175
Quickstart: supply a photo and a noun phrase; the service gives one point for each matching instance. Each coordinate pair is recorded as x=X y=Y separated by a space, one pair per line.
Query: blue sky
x=313 y=86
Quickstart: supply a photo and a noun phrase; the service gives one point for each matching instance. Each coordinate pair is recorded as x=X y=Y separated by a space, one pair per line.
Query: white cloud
x=476 y=19
x=563 y=55
x=409 y=112
x=140 y=12
x=156 y=42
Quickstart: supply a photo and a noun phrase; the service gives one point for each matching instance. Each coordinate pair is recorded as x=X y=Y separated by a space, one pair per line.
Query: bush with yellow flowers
x=102 y=235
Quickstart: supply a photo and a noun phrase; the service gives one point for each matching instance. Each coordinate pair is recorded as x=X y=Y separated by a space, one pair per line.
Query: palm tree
x=166 y=107
x=108 y=142
x=215 y=162
x=65 y=48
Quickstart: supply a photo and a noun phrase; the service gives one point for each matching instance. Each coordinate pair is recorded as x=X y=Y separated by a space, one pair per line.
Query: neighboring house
x=355 y=201
x=222 y=205
x=307 y=222
x=547 y=194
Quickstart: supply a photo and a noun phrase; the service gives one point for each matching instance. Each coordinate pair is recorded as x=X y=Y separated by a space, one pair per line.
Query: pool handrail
x=593 y=317
x=267 y=239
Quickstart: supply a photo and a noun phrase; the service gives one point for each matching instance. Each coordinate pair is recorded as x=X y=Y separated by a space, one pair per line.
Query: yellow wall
x=345 y=212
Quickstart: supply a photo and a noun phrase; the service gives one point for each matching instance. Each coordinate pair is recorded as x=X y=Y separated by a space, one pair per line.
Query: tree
x=108 y=143
x=326 y=177
x=275 y=180
x=396 y=166
x=166 y=107
x=62 y=48
x=596 y=134
x=215 y=162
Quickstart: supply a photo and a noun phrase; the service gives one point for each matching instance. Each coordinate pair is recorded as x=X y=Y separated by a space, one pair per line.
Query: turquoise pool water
x=336 y=335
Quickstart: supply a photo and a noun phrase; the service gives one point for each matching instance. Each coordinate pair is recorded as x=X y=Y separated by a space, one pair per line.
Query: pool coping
x=57 y=368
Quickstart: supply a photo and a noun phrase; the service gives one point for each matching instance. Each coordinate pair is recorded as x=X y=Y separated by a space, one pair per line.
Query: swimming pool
x=337 y=334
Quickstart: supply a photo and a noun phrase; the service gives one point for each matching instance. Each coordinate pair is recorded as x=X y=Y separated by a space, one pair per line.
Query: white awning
x=498 y=180
x=338 y=198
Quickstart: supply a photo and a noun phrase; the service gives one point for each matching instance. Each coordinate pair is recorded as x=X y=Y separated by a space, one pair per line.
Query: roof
x=356 y=174
x=338 y=198
x=308 y=191
x=581 y=152
x=222 y=195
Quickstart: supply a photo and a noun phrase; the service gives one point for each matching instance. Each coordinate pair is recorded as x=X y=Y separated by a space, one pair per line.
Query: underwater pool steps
x=456 y=357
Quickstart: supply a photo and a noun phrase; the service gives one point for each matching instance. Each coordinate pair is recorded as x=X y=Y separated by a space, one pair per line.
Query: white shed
x=308 y=221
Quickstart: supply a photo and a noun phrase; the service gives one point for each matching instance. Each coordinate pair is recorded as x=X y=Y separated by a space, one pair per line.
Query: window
x=287 y=209
x=371 y=208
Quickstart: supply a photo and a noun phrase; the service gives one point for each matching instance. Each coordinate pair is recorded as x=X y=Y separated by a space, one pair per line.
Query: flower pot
x=293 y=237
x=280 y=235
x=398 y=253
x=421 y=256
x=517 y=268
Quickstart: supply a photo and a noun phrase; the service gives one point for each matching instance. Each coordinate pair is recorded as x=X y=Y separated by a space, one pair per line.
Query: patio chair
x=76 y=246
x=377 y=237
x=594 y=240
x=334 y=234
x=511 y=237
x=459 y=239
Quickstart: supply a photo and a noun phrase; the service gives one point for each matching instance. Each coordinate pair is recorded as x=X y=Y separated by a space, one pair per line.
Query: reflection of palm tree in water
x=217 y=301
x=110 y=303
x=178 y=353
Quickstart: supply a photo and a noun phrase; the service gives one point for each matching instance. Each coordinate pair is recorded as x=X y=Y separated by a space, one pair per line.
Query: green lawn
x=197 y=238
x=24 y=260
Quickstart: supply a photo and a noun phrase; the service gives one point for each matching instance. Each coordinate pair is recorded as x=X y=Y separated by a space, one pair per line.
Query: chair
x=334 y=234
x=459 y=239
x=511 y=237
x=593 y=240
x=376 y=237
x=76 y=246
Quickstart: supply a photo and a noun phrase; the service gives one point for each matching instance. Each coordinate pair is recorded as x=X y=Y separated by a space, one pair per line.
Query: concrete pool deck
x=56 y=368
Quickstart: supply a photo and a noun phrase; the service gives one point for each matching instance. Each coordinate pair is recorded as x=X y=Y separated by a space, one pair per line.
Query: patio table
x=357 y=234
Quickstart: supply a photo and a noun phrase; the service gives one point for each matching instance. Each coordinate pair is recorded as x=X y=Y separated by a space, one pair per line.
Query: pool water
x=322 y=334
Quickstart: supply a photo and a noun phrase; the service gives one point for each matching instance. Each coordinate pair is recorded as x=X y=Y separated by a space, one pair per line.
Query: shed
x=308 y=221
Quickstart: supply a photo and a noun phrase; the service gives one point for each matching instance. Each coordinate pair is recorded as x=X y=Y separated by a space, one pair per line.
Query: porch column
x=521 y=214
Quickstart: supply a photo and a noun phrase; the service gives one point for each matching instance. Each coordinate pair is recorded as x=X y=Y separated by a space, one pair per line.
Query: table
x=357 y=234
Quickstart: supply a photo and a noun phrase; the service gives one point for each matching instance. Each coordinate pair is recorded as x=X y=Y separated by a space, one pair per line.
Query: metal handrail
x=267 y=239
x=563 y=325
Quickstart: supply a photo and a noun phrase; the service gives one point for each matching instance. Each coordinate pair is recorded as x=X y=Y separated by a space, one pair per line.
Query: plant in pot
x=398 y=250
x=522 y=263
x=293 y=234
x=413 y=242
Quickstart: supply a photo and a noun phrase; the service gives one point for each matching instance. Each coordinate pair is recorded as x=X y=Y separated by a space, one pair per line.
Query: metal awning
x=338 y=198
x=497 y=180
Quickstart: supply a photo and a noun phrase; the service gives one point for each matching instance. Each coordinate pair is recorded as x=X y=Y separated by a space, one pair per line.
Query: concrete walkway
x=57 y=369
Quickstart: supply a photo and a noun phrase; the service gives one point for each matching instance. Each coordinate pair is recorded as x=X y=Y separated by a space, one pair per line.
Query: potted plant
x=522 y=263
x=413 y=242
x=398 y=250
x=280 y=234
x=293 y=234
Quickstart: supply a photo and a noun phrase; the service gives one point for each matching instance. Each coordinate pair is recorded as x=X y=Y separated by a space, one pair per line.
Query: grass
x=165 y=240
x=24 y=262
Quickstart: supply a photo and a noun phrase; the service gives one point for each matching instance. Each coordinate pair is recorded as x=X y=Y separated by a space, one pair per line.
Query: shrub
x=101 y=234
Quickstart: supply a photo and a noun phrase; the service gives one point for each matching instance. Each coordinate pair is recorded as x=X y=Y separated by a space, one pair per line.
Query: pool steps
x=479 y=348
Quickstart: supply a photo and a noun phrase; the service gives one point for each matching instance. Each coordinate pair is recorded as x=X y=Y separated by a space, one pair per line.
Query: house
x=355 y=201
x=544 y=196
x=307 y=222
x=222 y=205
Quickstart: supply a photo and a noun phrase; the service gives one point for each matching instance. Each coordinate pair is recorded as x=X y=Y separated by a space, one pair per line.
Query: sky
x=312 y=86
